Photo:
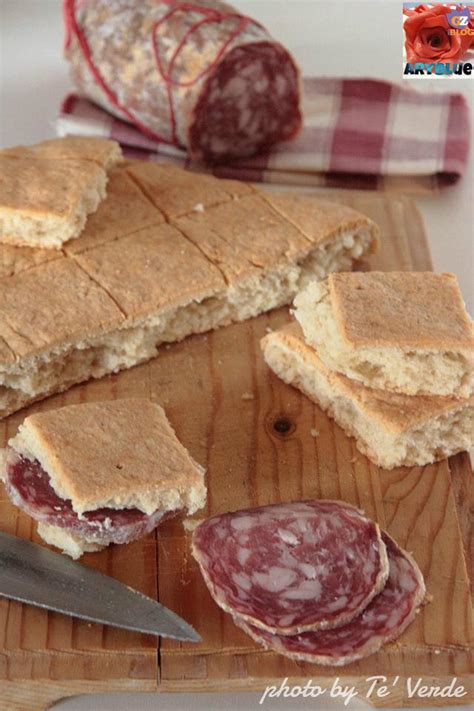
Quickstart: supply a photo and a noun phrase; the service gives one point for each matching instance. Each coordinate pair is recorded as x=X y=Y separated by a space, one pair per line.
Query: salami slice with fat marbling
x=288 y=568
x=28 y=486
x=382 y=621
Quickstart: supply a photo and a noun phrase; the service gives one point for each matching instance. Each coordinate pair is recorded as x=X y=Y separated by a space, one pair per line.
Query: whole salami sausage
x=383 y=620
x=197 y=75
x=293 y=567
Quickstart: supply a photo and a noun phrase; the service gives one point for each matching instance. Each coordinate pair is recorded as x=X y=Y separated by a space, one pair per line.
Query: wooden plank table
x=224 y=402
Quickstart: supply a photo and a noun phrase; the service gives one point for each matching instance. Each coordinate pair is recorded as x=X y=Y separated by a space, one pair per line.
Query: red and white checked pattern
x=358 y=133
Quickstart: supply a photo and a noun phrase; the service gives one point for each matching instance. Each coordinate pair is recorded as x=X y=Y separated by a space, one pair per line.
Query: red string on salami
x=208 y=15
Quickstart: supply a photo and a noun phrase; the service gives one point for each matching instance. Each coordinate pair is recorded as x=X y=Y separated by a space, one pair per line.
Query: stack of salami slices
x=313 y=580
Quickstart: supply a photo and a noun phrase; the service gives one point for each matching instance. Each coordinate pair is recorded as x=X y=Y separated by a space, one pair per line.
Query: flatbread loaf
x=144 y=272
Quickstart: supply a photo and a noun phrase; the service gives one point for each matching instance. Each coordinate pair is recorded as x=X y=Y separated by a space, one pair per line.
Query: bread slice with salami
x=157 y=272
x=99 y=473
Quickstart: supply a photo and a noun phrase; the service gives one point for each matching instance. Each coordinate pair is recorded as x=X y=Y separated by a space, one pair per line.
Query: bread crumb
x=313 y=432
x=436 y=651
x=268 y=329
x=189 y=524
x=247 y=396
x=199 y=207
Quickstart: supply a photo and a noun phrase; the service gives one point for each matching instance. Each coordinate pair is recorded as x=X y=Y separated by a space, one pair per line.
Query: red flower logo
x=428 y=38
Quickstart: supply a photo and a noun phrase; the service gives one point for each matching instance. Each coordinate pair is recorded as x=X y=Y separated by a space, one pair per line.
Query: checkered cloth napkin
x=358 y=133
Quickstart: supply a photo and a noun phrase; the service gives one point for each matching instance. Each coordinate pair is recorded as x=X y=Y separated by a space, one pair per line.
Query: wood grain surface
x=224 y=402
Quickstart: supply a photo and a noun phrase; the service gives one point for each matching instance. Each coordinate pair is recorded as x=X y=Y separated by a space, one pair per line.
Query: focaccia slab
x=127 y=285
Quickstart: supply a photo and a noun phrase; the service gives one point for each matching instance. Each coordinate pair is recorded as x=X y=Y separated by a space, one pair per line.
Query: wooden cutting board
x=224 y=404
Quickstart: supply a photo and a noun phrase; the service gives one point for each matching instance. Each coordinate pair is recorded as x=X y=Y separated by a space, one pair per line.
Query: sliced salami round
x=29 y=488
x=288 y=568
x=382 y=621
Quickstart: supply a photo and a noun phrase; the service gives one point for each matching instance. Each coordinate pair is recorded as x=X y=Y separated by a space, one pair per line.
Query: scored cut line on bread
x=176 y=192
x=318 y=219
x=125 y=210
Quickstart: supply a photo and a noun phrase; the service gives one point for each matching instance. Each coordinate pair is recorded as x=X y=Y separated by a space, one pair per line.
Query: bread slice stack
x=390 y=356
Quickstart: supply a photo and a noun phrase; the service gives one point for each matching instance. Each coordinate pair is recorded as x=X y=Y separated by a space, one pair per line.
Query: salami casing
x=197 y=75
x=28 y=486
x=383 y=620
x=292 y=567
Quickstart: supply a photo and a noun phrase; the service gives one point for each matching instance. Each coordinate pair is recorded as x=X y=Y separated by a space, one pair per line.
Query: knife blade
x=35 y=575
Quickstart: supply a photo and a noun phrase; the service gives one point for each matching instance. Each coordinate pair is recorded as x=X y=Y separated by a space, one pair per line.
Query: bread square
x=244 y=236
x=176 y=192
x=45 y=199
x=402 y=331
x=117 y=454
x=320 y=220
x=124 y=210
x=53 y=304
x=391 y=429
x=152 y=269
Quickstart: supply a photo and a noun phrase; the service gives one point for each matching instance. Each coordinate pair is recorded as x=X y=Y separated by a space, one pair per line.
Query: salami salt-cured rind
x=383 y=620
x=28 y=486
x=288 y=568
x=197 y=75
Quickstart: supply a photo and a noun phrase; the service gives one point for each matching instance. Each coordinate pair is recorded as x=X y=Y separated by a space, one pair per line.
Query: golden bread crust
x=118 y=454
x=400 y=309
